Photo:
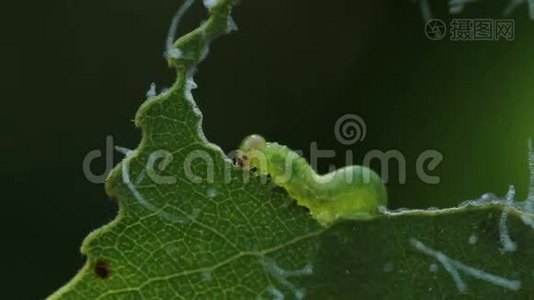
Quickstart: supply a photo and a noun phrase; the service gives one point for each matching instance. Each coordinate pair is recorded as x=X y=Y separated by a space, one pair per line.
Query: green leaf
x=388 y=258
x=191 y=225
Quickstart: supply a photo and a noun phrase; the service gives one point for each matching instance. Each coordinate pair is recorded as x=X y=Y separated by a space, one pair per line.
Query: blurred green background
x=74 y=72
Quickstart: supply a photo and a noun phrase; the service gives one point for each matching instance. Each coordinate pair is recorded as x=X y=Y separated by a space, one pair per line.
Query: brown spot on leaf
x=101 y=269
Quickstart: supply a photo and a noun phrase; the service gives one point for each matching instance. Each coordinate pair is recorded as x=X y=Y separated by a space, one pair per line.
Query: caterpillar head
x=250 y=154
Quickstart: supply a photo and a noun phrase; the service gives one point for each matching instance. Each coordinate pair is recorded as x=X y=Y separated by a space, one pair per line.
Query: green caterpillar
x=353 y=192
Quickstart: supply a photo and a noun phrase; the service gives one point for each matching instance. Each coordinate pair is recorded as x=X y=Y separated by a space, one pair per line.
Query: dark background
x=74 y=72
